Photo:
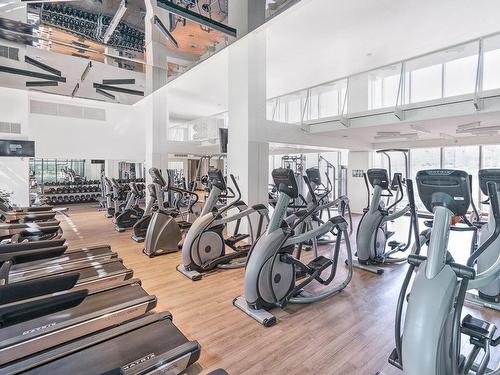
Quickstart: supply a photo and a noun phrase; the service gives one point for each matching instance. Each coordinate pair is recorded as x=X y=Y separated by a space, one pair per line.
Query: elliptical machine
x=430 y=341
x=131 y=213
x=110 y=207
x=164 y=232
x=271 y=271
x=141 y=226
x=325 y=205
x=372 y=236
x=489 y=296
x=203 y=249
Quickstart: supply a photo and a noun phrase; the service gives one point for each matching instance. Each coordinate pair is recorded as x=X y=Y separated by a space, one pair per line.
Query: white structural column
x=248 y=150
x=359 y=162
x=156 y=109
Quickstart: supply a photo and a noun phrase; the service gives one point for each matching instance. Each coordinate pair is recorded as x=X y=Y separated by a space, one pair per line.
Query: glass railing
x=205 y=129
x=468 y=71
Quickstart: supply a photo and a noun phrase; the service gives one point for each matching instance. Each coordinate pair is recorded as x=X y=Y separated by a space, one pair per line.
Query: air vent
x=9 y=52
x=180 y=155
x=67 y=110
x=10 y=127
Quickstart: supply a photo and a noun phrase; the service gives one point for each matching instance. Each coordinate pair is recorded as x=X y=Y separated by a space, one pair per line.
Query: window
x=491 y=63
x=491 y=70
x=383 y=87
x=464 y=158
x=460 y=76
x=294 y=111
x=329 y=103
x=426 y=83
x=421 y=159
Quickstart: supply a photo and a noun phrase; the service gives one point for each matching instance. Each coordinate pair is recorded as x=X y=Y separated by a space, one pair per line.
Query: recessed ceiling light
x=368 y=54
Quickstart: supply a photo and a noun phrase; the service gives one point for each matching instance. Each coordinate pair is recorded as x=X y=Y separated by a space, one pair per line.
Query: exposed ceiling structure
x=40 y=70
x=110 y=33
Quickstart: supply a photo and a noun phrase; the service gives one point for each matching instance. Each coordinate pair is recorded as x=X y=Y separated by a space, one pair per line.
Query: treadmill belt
x=137 y=345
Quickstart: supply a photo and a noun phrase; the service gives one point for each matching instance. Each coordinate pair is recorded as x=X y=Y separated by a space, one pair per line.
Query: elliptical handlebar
x=401 y=195
x=235 y=184
x=311 y=190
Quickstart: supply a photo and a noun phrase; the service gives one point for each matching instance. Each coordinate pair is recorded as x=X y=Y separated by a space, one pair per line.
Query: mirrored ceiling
x=96 y=49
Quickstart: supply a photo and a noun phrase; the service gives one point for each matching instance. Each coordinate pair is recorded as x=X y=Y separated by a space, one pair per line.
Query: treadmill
x=27 y=217
x=6 y=206
x=33 y=325
x=149 y=344
x=81 y=255
x=19 y=232
x=37 y=263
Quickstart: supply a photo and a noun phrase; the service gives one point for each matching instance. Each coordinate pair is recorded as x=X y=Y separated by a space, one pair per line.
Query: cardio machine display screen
x=14 y=148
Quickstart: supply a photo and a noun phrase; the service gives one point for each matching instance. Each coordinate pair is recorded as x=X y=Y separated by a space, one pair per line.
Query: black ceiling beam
x=42 y=66
x=165 y=32
x=124 y=81
x=104 y=93
x=86 y=71
x=196 y=17
x=41 y=83
x=29 y=73
x=118 y=89
x=77 y=87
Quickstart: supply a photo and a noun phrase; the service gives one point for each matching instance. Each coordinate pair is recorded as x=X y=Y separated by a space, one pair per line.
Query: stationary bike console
x=444 y=187
x=489 y=175
x=285 y=180
x=378 y=177
x=217 y=178
x=313 y=175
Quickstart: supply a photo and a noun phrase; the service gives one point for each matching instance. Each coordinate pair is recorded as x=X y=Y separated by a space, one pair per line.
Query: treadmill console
x=488 y=175
x=378 y=177
x=285 y=181
x=314 y=176
x=444 y=187
x=217 y=178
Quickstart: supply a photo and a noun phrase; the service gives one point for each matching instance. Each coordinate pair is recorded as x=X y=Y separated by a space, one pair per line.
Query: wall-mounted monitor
x=10 y=147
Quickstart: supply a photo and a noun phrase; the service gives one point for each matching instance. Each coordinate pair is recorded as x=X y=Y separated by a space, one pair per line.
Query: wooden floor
x=350 y=333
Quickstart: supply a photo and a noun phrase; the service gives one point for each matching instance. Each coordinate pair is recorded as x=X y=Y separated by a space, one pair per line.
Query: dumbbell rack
x=71 y=192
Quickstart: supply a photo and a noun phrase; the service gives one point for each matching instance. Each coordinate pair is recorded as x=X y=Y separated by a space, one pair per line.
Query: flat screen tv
x=9 y=147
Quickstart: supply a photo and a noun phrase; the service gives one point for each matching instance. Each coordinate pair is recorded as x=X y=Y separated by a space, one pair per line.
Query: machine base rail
x=264 y=317
x=367 y=267
x=473 y=298
x=193 y=275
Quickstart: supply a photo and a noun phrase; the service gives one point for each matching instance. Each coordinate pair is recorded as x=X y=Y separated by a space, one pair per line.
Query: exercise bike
x=271 y=271
x=204 y=248
x=429 y=342
x=164 y=232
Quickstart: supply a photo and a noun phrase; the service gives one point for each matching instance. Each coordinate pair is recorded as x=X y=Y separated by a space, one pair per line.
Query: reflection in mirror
x=98 y=49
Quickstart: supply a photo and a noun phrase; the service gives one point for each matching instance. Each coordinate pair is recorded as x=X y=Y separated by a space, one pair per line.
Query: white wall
x=121 y=136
